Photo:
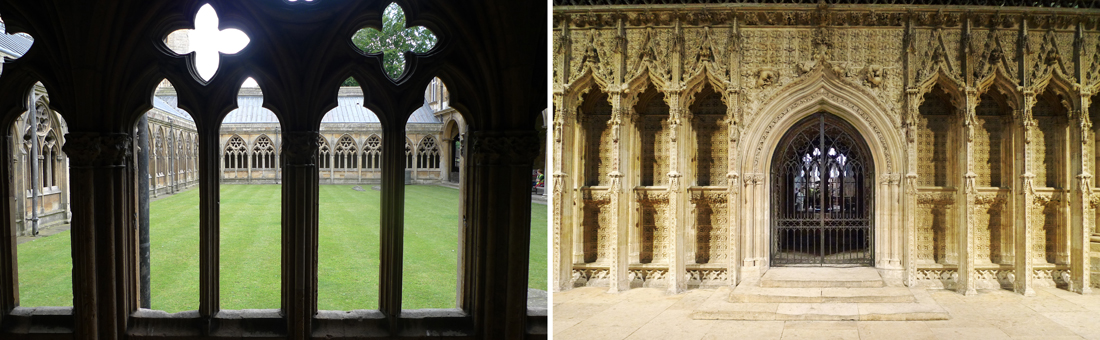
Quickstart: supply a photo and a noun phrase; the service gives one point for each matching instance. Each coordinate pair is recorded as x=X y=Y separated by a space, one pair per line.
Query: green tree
x=393 y=41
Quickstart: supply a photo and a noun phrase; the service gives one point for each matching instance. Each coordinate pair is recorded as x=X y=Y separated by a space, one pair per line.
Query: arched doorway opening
x=822 y=192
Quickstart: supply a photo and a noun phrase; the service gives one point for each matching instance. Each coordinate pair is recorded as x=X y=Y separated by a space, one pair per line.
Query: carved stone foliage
x=598 y=144
x=933 y=226
x=650 y=52
x=707 y=50
x=988 y=143
x=1045 y=225
x=648 y=278
x=657 y=231
x=1050 y=52
x=990 y=221
x=711 y=129
x=771 y=63
x=655 y=143
x=97 y=150
x=707 y=278
x=995 y=50
x=595 y=50
x=937 y=51
x=591 y=277
x=938 y=278
x=933 y=133
x=596 y=231
x=711 y=227
x=1091 y=59
x=1051 y=277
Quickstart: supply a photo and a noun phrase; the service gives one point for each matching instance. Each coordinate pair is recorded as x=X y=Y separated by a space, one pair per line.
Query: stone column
x=561 y=206
x=910 y=205
x=499 y=225
x=1081 y=214
x=1026 y=192
x=299 y=230
x=968 y=212
x=620 y=229
x=733 y=190
x=103 y=232
x=677 y=194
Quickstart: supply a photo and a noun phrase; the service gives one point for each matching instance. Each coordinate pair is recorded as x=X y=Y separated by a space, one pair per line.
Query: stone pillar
x=1026 y=192
x=968 y=212
x=733 y=190
x=677 y=194
x=620 y=229
x=499 y=229
x=1082 y=214
x=103 y=232
x=299 y=230
x=561 y=206
x=910 y=205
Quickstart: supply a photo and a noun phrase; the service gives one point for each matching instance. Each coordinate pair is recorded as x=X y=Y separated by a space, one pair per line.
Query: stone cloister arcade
x=101 y=61
x=978 y=125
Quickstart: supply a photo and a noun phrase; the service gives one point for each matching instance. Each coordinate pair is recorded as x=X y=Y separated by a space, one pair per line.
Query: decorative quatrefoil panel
x=394 y=40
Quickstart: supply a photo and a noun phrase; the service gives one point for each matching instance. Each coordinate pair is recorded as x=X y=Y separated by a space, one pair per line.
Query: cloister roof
x=14 y=44
x=250 y=110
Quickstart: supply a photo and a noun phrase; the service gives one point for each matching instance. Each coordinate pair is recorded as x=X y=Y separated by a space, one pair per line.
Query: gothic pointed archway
x=822 y=193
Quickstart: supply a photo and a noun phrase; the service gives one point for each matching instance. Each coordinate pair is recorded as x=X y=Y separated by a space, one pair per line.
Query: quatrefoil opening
x=207 y=42
x=394 y=40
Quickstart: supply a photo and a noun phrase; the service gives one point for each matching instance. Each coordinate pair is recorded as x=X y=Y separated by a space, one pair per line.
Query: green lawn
x=250 y=259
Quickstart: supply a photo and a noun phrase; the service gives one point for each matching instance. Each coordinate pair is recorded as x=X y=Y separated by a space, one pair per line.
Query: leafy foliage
x=392 y=41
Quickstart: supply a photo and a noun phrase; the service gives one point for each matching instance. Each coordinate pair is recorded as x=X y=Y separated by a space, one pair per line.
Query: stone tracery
x=940 y=95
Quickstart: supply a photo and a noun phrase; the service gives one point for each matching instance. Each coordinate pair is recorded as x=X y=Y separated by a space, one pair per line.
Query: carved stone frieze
x=89 y=149
x=496 y=148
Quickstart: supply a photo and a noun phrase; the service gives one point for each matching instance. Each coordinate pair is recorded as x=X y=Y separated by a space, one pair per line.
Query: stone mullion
x=299 y=231
x=579 y=179
x=392 y=219
x=968 y=213
x=620 y=262
x=562 y=212
x=909 y=209
x=209 y=220
x=103 y=233
x=1024 y=266
x=500 y=230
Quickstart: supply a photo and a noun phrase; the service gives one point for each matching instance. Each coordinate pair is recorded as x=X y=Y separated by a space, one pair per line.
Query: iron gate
x=822 y=186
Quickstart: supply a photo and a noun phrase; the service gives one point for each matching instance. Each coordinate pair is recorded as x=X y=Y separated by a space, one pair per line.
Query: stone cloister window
x=263 y=153
x=346 y=153
x=427 y=154
x=324 y=159
x=235 y=153
x=106 y=299
x=372 y=152
x=408 y=155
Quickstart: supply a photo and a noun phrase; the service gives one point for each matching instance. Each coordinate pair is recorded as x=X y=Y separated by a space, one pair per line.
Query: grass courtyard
x=250 y=257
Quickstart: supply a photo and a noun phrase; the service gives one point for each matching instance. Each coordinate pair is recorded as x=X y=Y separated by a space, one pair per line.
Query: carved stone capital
x=300 y=148
x=91 y=149
x=507 y=147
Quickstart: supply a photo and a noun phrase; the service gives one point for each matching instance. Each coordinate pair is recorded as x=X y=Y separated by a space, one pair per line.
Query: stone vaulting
x=978 y=122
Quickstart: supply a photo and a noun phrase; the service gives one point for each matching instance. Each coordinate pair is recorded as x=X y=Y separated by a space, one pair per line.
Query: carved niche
x=710 y=125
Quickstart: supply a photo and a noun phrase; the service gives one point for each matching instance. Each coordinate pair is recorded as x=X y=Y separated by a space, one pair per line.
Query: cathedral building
x=699 y=145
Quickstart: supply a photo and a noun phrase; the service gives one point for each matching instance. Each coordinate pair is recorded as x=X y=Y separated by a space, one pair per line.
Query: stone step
x=750 y=294
x=718 y=307
x=800 y=277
